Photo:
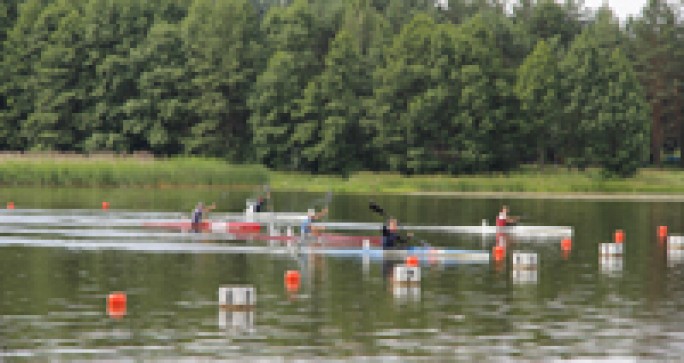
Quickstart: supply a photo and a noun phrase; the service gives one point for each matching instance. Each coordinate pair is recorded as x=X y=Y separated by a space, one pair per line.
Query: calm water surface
x=60 y=256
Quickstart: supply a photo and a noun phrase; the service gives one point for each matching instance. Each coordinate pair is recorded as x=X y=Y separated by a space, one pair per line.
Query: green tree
x=539 y=90
x=172 y=11
x=294 y=40
x=491 y=49
x=9 y=12
x=624 y=118
x=443 y=100
x=328 y=133
x=157 y=117
x=460 y=11
x=113 y=29
x=400 y=12
x=606 y=116
x=22 y=49
x=368 y=29
x=547 y=19
x=272 y=104
x=401 y=84
x=657 y=48
x=295 y=28
x=221 y=40
x=58 y=97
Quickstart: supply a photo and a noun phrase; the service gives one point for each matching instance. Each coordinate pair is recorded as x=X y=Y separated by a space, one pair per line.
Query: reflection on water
x=57 y=268
x=521 y=276
x=406 y=293
x=611 y=265
x=236 y=322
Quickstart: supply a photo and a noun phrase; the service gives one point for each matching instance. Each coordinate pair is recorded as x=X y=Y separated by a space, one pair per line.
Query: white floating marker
x=525 y=260
x=406 y=274
x=406 y=293
x=675 y=250
x=611 y=264
x=237 y=297
x=610 y=249
x=236 y=320
x=525 y=276
x=675 y=242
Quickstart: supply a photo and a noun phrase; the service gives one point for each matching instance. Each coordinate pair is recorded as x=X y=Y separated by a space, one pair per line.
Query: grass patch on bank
x=125 y=172
x=133 y=171
x=524 y=181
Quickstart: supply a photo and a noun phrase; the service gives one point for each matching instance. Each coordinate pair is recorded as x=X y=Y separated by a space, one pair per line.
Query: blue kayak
x=424 y=254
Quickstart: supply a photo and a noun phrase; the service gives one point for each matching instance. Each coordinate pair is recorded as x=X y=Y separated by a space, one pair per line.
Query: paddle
x=269 y=201
x=375 y=207
x=322 y=202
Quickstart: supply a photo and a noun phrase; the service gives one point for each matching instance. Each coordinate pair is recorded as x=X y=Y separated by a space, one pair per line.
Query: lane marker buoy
x=116 y=304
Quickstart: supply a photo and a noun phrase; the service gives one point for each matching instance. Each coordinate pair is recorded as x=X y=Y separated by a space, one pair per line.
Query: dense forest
x=330 y=86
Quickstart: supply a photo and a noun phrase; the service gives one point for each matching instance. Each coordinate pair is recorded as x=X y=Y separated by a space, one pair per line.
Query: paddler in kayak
x=262 y=202
x=391 y=239
x=198 y=213
x=504 y=220
x=307 y=228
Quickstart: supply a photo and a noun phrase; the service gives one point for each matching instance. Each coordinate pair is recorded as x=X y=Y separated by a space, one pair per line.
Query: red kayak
x=328 y=239
x=208 y=226
x=251 y=231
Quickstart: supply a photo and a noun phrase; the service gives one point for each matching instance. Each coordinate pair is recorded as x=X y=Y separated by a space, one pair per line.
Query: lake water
x=61 y=256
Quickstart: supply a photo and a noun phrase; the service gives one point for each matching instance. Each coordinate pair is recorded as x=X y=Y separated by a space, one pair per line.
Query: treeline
x=333 y=86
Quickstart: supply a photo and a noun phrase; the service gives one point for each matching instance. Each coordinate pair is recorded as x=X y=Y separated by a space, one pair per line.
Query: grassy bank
x=113 y=171
x=647 y=181
x=78 y=171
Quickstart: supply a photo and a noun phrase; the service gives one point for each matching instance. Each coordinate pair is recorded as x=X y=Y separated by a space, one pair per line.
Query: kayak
x=208 y=226
x=425 y=255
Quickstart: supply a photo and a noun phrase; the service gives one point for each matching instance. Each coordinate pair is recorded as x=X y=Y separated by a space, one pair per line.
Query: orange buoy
x=10 y=205
x=662 y=231
x=499 y=253
x=292 y=277
x=105 y=205
x=292 y=280
x=566 y=244
x=619 y=236
x=116 y=304
x=412 y=261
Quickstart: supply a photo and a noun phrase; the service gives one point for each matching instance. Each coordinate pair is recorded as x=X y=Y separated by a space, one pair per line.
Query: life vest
x=197 y=215
x=501 y=220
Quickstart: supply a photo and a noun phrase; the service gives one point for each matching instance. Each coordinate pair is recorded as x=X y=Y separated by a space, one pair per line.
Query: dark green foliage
x=330 y=86
x=547 y=19
x=539 y=90
x=658 y=54
x=606 y=114
x=223 y=50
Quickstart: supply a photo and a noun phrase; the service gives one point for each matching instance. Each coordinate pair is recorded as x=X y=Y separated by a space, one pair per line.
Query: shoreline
x=560 y=195
x=588 y=196
x=529 y=182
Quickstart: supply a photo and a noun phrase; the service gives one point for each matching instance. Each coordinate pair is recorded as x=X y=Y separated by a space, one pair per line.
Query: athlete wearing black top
x=390 y=237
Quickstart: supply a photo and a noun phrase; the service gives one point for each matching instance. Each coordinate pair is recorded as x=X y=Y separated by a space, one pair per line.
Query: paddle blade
x=376 y=208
